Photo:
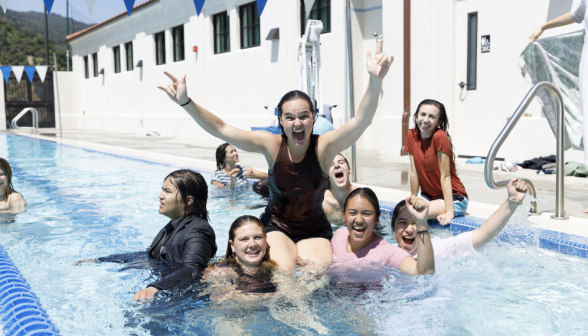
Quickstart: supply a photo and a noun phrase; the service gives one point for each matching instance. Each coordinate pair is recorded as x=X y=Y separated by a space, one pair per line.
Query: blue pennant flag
x=6 y=72
x=261 y=6
x=48 y=5
x=30 y=71
x=199 y=4
x=129 y=4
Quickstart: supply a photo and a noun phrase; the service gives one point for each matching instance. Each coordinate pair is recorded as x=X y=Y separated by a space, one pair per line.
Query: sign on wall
x=485 y=43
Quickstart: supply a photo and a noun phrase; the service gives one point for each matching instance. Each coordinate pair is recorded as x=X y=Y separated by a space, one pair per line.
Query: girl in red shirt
x=432 y=163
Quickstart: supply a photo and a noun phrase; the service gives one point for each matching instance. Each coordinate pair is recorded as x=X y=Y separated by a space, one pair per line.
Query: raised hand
x=378 y=65
x=176 y=90
x=418 y=207
x=517 y=189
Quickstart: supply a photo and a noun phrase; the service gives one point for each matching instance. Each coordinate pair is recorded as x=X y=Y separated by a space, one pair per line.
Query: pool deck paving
x=387 y=175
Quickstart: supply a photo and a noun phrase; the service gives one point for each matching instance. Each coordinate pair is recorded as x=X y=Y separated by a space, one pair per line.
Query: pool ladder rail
x=559 y=187
x=35 y=114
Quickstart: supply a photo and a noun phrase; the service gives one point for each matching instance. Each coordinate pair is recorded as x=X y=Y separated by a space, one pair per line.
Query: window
x=472 y=46
x=86 y=67
x=249 y=25
x=129 y=52
x=321 y=10
x=160 y=48
x=95 y=63
x=222 y=39
x=178 y=35
x=116 y=52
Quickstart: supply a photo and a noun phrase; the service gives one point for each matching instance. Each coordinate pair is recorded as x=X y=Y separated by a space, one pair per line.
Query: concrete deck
x=386 y=174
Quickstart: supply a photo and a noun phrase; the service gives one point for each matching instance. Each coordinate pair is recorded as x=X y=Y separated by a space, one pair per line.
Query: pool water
x=85 y=204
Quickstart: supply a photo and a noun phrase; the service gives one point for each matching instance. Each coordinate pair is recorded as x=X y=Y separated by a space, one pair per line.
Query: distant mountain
x=22 y=38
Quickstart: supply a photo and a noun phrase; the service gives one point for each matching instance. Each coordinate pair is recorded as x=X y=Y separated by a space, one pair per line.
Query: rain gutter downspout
x=406 y=113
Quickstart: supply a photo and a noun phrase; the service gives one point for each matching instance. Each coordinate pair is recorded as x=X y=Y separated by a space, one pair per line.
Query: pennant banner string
x=48 y=5
x=4 y=4
x=18 y=70
x=6 y=72
x=90 y=4
x=199 y=5
x=42 y=71
x=129 y=4
x=308 y=6
x=30 y=71
x=261 y=6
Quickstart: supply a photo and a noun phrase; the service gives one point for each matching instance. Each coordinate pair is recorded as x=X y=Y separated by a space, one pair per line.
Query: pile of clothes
x=547 y=165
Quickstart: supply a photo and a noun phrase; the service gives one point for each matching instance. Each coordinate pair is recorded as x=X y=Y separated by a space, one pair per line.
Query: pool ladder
x=35 y=114
x=559 y=186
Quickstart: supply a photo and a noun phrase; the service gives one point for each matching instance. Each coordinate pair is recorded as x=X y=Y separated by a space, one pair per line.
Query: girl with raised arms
x=432 y=163
x=298 y=163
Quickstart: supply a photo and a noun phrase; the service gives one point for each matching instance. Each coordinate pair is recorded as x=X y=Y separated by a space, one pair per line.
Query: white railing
x=21 y=114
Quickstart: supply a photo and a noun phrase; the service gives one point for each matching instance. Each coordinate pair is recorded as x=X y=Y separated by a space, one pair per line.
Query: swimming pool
x=85 y=204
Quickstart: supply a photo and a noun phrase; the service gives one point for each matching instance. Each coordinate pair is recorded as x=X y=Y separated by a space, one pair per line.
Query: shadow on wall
x=558 y=8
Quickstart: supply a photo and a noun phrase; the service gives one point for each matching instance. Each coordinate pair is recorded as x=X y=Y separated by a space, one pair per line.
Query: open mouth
x=339 y=176
x=408 y=241
x=299 y=135
x=253 y=254
x=359 y=230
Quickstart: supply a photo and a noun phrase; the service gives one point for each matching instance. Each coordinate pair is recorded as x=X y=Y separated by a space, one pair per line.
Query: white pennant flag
x=18 y=70
x=230 y=5
x=308 y=6
x=4 y=4
x=90 y=4
x=42 y=71
x=165 y=6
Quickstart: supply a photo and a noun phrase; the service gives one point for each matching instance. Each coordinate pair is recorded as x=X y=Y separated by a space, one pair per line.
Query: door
x=38 y=95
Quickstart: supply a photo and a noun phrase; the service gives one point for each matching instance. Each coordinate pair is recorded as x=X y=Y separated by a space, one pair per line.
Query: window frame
x=116 y=54
x=130 y=65
x=469 y=85
x=304 y=19
x=86 y=67
x=159 y=61
x=225 y=34
x=95 y=63
x=256 y=23
x=178 y=48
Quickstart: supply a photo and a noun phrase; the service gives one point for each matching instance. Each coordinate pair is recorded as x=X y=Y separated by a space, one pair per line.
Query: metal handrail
x=21 y=114
x=559 y=200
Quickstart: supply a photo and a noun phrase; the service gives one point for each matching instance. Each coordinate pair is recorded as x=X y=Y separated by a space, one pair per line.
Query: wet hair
x=294 y=95
x=397 y=209
x=221 y=155
x=239 y=222
x=443 y=122
x=191 y=183
x=261 y=188
x=344 y=158
x=368 y=194
x=5 y=166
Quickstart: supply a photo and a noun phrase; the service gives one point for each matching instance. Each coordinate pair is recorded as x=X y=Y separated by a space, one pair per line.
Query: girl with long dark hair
x=298 y=163
x=432 y=163
x=229 y=174
x=10 y=199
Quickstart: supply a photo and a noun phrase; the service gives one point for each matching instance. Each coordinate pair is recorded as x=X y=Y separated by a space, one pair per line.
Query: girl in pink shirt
x=358 y=241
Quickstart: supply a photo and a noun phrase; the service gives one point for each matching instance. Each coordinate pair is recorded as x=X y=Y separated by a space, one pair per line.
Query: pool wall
x=20 y=310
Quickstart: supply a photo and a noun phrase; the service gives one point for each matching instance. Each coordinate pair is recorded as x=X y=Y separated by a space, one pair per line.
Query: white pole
x=350 y=84
x=57 y=93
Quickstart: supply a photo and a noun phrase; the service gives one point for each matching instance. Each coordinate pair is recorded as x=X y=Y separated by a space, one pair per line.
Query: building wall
x=238 y=85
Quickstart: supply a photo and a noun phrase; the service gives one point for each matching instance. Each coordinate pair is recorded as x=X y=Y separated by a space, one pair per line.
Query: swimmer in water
x=298 y=163
x=187 y=242
x=11 y=200
x=229 y=174
x=464 y=244
x=340 y=188
x=358 y=241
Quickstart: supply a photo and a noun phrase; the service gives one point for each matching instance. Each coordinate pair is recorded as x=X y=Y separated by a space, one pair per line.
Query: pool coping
x=548 y=239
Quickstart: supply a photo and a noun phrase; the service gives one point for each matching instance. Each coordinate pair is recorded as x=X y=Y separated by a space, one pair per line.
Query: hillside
x=22 y=38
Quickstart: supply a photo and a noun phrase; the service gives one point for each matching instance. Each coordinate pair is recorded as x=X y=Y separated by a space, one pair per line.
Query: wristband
x=513 y=202
x=421 y=234
x=188 y=102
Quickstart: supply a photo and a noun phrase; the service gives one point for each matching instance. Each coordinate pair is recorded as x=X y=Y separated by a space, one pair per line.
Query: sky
x=103 y=9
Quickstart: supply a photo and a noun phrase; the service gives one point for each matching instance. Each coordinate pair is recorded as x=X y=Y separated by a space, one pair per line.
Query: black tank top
x=297 y=191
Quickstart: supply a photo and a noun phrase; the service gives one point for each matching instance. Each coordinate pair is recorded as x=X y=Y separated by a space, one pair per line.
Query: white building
x=235 y=77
